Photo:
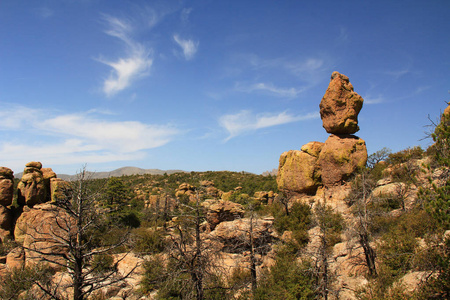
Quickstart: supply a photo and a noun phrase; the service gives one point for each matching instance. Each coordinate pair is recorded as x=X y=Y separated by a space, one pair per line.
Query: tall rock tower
x=330 y=163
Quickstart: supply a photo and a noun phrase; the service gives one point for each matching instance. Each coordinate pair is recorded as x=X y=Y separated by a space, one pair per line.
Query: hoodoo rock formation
x=31 y=188
x=34 y=221
x=330 y=163
x=340 y=106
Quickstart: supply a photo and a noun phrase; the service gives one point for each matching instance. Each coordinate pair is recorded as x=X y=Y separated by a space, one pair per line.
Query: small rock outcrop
x=220 y=211
x=185 y=190
x=340 y=106
x=234 y=235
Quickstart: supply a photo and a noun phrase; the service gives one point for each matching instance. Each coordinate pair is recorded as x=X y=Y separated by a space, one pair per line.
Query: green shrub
x=403 y=156
x=102 y=263
x=287 y=279
x=298 y=221
x=148 y=240
x=22 y=279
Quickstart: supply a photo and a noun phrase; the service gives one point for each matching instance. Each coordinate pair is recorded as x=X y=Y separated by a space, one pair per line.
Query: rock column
x=6 y=198
x=332 y=162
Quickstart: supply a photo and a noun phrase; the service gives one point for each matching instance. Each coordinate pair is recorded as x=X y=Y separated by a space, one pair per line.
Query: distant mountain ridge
x=124 y=171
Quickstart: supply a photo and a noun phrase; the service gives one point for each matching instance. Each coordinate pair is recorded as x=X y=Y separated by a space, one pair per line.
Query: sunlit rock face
x=340 y=157
x=6 y=186
x=298 y=170
x=31 y=188
x=340 y=106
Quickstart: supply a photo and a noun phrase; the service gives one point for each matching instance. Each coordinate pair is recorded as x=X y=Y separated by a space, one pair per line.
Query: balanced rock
x=6 y=186
x=340 y=157
x=298 y=170
x=340 y=106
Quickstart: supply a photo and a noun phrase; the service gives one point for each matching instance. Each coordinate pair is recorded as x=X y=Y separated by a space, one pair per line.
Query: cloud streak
x=271 y=89
x=78 y=138
x=134 y=65
x=245 y=121
x=189 y=47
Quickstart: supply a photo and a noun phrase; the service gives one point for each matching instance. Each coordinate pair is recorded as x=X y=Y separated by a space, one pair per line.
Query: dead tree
x=189 y=253
x=75 y=219
x=364 y=209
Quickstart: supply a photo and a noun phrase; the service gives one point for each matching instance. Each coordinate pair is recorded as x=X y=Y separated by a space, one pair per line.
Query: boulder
x=265 y=197
x=6 y=223
x=234 y=235
x=220 y=211
x=15 y=258
x=40 y=230
x=31 y=189
x=6 y=186
x=340 y=157
x=340 y=106
x=34 y=164
x=185 y=190
x=298 y=170
x=161 y=203
x=206 y=183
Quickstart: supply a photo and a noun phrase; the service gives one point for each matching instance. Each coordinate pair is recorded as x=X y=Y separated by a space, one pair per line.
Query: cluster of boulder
x=37 y=187
x=327 y=164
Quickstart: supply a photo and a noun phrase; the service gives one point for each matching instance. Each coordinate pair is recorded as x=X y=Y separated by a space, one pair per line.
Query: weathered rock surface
x=37 y=229
x=185 y=190
x=58 y=189
x=298 y=169
x=48 y=175
x=340 y=106
x=160 y=203
x=6 y=223
x=31 y=188
x=234 y=235
x=15 y=258
x=340 y=157
x=6 y=186
x=265 y=197
x=220 y=211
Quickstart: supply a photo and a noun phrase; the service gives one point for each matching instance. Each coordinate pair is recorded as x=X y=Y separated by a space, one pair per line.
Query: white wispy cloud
x=77 y=137
x=270 y=88
x=189 y=47
x=398 y=73
x=245 y=121
x=266 y=72
x=135 y=64
x=370 y=99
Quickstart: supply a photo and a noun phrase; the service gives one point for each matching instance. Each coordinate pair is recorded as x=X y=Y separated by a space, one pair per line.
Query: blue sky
x=210 y=85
